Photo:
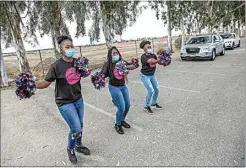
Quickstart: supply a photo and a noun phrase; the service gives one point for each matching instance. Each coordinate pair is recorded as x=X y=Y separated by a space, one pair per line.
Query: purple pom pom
x=81 y=66
x=121 y=68
x=135 y=62
x=25 y=85
x=98 y=80
x=165 y=58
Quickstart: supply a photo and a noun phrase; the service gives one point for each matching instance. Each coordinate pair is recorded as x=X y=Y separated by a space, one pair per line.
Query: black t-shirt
x=112 y=80
x=146 y=68
x=67 y=87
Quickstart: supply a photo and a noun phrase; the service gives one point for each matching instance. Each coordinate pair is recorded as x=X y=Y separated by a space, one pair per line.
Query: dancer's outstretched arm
x=49 y=78
x=42 y=84
x=130 y=67
x=151 y=61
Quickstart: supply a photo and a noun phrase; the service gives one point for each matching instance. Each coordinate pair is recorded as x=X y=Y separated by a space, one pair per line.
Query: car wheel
x=182 y=58
x=223 y=51
x=238 y=44
x=233 y=46
x=213 y=55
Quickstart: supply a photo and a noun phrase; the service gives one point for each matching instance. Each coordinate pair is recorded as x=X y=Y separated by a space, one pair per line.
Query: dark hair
x=60 y=39
x=143 y=43
x=110 y=62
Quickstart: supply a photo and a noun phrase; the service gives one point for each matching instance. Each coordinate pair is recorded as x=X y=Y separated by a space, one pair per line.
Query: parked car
x=231 y=40
x=203 y=47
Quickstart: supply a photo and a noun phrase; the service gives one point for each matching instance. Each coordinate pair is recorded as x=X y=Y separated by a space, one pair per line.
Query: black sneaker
x=71 y=155
x=148 y=110
x=157 y=106
x=119 y=129
x=125 y=125
x=82 y=149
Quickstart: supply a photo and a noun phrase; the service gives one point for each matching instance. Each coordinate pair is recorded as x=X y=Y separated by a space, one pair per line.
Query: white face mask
x=149 y=51
x=115 y=58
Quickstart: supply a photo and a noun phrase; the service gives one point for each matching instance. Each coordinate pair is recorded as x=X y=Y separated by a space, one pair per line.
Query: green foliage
x=117 y=15
x=21 y=11
x=205 y=13
x=178 y=41
x=177 y=9
x=48 y=17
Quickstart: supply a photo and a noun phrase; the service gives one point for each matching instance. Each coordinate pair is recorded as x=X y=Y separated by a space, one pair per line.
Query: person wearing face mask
x=68 y=95
x=149 y=61
x=117 y=88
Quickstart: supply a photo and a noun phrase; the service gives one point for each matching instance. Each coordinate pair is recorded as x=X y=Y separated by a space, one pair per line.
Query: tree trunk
x=55 y=45
x=239 y=27
x=169 y=29
x=199 y=29
x=56 y=29
x=210 y=28
x=14 y=24
x=183 y=32
x=227 y=29
x=233 y=24
x=106 y=29
x=3 y=77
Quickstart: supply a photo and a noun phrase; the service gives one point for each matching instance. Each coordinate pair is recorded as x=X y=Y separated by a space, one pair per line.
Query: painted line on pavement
x=171 y=88
x=205 y=73
x=107 y=113
x=111 y=116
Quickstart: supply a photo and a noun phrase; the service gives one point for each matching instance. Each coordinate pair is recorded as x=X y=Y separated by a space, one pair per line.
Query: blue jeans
x=73 y=114
x=151 y=84
x=120 y=96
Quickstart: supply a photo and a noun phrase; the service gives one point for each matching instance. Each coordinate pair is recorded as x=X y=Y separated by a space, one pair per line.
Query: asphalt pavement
x=201 y=124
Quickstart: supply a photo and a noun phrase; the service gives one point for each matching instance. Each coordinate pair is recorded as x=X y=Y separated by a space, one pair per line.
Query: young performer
x=68 y=95
x=149 y=61
x=117 y=87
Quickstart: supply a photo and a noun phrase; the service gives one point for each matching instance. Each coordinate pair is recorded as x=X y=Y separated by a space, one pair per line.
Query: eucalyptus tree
x=47 y=17
x=113 y=17
x=174 y=14
x=14 y=30
x=52 y=17
x=4 y=77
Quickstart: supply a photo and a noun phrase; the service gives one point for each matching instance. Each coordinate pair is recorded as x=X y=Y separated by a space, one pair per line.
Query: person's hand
x=159 y=61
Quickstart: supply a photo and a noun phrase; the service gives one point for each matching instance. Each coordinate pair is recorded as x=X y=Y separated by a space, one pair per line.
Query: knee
x=150 y=91
x=122 y=109
x=77 y=133
x=156 y=89
x=128 y=105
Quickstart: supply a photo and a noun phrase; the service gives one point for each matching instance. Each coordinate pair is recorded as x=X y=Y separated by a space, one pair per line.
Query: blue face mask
x=70 y=52
x=149 y=51
x=115 y=58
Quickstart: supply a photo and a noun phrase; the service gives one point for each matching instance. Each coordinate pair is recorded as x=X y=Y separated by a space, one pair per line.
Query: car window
x=227 y=36
x=200 y=40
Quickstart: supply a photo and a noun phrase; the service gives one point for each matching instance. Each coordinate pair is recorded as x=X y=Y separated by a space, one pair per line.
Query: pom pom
x=121 y=68
x=135 y=62
x=165 y=58
x=81 y=66
x=25 y=85
x=98 y=80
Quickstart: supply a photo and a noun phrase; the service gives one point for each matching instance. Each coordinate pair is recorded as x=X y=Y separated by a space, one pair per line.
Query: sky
x=146 y=25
